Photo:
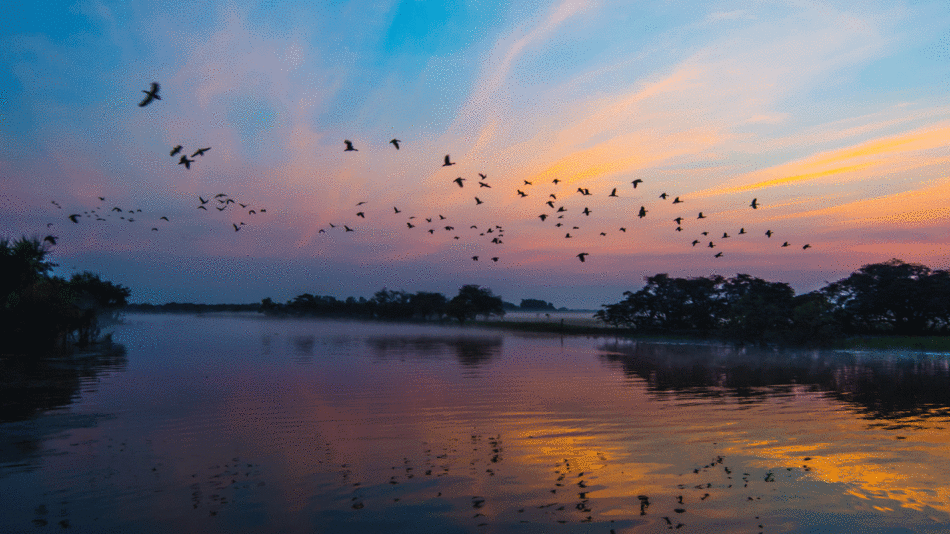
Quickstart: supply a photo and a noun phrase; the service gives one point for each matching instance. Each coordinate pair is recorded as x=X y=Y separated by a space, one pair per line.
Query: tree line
x=42 y=313
x=472 y=301
x=893 y=297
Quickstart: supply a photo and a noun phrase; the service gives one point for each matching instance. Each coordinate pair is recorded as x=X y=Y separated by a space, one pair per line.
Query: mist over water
x=238 y=423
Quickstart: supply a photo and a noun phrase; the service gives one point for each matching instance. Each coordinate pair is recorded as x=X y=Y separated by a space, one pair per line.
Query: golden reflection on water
x=341 y=431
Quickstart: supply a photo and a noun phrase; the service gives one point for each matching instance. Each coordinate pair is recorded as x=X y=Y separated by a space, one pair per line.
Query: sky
x=834 y=116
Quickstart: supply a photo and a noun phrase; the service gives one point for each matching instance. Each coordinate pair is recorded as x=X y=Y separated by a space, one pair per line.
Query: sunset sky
x=833 y=115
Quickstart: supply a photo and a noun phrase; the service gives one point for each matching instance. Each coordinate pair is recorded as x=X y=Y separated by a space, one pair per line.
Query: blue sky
x=833 y=115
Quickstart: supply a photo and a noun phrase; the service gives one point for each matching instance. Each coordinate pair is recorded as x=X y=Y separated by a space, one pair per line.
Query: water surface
x=231 y=423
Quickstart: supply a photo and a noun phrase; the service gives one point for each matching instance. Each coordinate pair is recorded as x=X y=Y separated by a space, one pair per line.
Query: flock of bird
x=553 y=205
x=101 y=214
x=554 y=208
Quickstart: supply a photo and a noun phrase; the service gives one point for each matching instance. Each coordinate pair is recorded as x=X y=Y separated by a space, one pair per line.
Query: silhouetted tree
x=892 y=297
x=473 y=301
x=755 y=309
x=536 y=305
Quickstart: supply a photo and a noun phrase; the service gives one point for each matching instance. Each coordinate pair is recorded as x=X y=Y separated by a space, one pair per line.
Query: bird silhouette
x=663 y=196
x=677 y=200
x=361 y=214
x=175 y=150
x=555 y=181
x=719 y=254
x=695 y=242
x=477 y=201
x=806 y=247
x=51 y=239
x=701 y=216
x=447 y=162
x=201 y=151
x=495 y=259
x=768 y=233
x=203 y=201
x=568 y=236
x=483 y=184
x=186 y=162
x=543 y=216
x=586 y=211
x=643 y=212
x=785 y=244
x=475 y=258
x=347 y=228
x=522 y=193
x=755 y=204
x=550 y=203
x=622 y=229
x=396 y=210
x=725 y=235
x=163 y=218
x=349 y=146
x=74 y=217
x=582 y=255
x=483 y=176
x=236 y=227
x=711 y=245
x=741 y=231
x=150 y=95
x=459 y=181
x=202 y=208
x=360 y=203
x=527 y=182
x=613 y=193
x=395 y=143
x=410 y=225
x=678 y=220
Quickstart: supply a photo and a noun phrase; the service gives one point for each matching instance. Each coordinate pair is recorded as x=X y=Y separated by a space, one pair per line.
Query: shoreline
x=576 y=326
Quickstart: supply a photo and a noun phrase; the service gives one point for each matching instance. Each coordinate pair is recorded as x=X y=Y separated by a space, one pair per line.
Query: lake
x=240 y=423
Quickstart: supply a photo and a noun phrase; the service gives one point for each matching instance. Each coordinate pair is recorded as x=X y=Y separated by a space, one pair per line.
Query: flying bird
x=201 y=151
x=349 y=146
x=582 y=255
x=636 y=182
x=741 y=231
x=163 y=218
x=663 y=196
x=522 y=193
x=483 y=184
x=555 y=181
x=701 y=216
x=543 y=216
x=447 y=162
x=175 y=150
x=74 y=217
x=527 y=182
x=643 y=212
x=361 y=214
x=395 y=143
x=695 y=242
x=347 y=228
x=396 y=209
x=459 y=181
x=495 y=259
x=51 y=239
x=483 y=176
x=186 y=162
x=586 y=211
x=755 y=204
x=477 y=202
x=719 y=254
x=768 y=233
x=410 y=225
x=203 y=201
x=150 y=95
x=236 y=227
x=677 y=200
x=725 y=235
x=475 y=258
x=785 y=244
x=613 y=193
x=202 y=208
x=806 y=247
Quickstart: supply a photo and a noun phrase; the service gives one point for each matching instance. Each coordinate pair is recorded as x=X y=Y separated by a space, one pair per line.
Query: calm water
x=246 y=424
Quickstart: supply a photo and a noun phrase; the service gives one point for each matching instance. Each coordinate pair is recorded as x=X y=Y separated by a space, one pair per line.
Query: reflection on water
x=468 y=350
x=246 y=424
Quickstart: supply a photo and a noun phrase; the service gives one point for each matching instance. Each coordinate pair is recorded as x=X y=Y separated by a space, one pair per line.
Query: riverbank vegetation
x=893 y=298
x=44 y=314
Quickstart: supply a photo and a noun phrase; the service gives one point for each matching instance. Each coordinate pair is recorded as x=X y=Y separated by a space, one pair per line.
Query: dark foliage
x=42 y=314
x=884 y=298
